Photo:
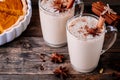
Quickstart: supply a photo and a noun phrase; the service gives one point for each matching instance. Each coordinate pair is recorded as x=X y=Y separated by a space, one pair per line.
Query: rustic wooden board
x=24 y=53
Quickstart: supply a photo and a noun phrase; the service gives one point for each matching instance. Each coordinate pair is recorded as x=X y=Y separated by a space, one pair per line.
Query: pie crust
x=14 y=20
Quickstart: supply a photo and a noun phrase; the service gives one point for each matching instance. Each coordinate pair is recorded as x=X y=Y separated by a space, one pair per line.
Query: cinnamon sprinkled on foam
x=85 y=27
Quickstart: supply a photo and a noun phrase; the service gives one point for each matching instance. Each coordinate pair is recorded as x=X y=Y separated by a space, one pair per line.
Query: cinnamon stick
x=107 y=19
x=100 y=22
x=70 y=3
x=98 y=8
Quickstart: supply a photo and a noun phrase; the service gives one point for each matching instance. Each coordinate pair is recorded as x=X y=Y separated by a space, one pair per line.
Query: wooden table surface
x=21 y=58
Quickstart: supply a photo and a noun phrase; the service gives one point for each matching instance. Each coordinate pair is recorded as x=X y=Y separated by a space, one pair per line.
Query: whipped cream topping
x=84 y=27
x=56 y=6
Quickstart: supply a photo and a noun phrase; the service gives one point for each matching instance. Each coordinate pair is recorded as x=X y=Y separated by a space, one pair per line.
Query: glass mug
x=85 y=54
x=53 y=25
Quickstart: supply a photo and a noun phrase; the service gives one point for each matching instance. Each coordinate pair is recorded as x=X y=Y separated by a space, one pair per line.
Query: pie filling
x=11 y=12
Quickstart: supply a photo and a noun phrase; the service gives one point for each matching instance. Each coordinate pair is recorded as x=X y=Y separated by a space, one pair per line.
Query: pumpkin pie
x=11 y=13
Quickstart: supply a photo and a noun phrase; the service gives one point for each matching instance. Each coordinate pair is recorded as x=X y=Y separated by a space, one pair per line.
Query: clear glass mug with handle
x=53 y=24
x=85 y=53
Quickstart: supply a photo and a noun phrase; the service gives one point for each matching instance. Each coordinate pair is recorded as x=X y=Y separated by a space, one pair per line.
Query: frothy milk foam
x=78 y=27
x=84 y=48
x=53 y=23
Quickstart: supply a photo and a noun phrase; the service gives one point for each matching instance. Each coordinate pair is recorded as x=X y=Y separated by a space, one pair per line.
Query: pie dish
x=15 y=16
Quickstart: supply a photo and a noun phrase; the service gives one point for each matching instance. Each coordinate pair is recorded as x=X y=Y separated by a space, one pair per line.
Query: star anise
x=61 y=72
x=57 y=58
x=92 y=31
x=59 y=5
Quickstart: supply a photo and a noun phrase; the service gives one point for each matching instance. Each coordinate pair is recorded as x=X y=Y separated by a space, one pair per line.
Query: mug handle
x=110 y=38
x=79 y=7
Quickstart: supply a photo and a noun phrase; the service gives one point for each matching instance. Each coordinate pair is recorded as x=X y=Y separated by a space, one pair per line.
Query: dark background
x=35 y=22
